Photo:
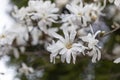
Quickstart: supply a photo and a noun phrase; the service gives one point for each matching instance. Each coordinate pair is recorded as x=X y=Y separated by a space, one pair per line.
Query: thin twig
x=115 y=25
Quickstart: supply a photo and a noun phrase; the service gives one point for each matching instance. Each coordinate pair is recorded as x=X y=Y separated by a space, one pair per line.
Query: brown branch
x=116 y=26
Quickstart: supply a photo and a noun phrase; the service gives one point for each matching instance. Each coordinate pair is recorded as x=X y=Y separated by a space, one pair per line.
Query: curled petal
x=117 y=60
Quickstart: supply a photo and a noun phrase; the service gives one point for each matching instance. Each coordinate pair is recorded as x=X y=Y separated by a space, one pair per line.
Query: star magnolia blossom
x=37 y=13
x=6 y=37
x=66 y=47
x=78 y=12
x=81 y=13
x=35 y=27
x=25 y=69
x=21 y=33
x=93 y=49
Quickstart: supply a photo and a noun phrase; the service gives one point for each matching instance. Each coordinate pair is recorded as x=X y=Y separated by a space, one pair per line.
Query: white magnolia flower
x=66 y=47
x=117 y=3
x=93 y=49
x=78 y=11
x=67 y=18
x=117 y=60
x=82 y=13
x=19 y=13
x=6 y=37
x=21 y=33
x=69 y=21
x=25 y=69
x=38 y=13
x=46 y=13
x=93 y=11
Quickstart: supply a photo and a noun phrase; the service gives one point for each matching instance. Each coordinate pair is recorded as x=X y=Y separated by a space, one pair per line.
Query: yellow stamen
x=2 y=36
x=68 y=45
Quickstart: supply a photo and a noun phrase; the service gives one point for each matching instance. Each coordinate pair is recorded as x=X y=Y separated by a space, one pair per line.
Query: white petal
x=57 y=36
x=52 y=57
x=65 y=31
x=24 y=65
x=16 y=53
x=31 y=69
x=117 y=3
x=94 y=57
x=51 y=20
x=98 y=54
x=77 y=49
x=96 y=33
x=70 y=8
x=55 y=47
x=63 y=58
x=74 y=57
x=68 y=56
x=72 y=35
x=77 y=45
x=85 y=38
x=63 y=51
x=117 y=60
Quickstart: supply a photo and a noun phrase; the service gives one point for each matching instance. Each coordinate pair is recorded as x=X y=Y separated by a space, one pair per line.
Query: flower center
x=68 y=45
x=2 y=36
x=79 y=14
x=94 y=17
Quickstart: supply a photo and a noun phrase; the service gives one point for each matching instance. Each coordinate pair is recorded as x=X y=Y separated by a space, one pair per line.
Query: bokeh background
x=105 y=69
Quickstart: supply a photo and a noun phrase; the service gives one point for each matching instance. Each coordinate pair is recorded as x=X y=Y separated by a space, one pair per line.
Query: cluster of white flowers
x=32 y=27
x=74 y=23
x=81 y=13
x=66 y=47
x=72 y=45
x=38 y=23
x=38 y=13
